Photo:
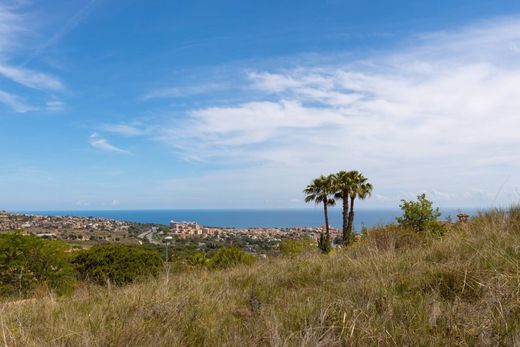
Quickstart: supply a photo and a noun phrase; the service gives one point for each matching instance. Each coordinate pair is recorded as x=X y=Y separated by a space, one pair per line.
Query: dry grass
x=388 y=289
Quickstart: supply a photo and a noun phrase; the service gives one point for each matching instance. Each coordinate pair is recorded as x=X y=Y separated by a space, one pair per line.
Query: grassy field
x=390 y=288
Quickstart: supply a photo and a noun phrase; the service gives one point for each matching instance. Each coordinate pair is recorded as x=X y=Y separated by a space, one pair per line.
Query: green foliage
x=324 y=243
x=293 y=247
x=199 y=259
x=119 y=264
x=320 y=190
x=29 y=262
x=230 y=256
x=346 y=186
x=420 y=215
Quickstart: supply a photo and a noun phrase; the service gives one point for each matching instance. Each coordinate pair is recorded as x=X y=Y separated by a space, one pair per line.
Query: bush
x=230 y=256
x=29 y=262
x=198 y=259
x=293 y=247
x=324 y=244
x=420 y=215
x=119 y=264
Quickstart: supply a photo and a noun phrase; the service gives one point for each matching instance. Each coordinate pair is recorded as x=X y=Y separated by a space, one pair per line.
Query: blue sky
x=112 y=104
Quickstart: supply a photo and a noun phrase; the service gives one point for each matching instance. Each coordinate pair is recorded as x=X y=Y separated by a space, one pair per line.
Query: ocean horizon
x=249 y=218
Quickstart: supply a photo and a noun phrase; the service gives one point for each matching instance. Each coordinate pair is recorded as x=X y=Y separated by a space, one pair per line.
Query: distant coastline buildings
x=192 y=229
x=101 y=229
x=65 y=227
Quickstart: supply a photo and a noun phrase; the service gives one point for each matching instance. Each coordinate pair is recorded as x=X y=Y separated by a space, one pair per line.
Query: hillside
x=390 y=288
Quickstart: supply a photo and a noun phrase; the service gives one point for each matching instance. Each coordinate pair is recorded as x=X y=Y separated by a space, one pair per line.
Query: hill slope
x=391 y=288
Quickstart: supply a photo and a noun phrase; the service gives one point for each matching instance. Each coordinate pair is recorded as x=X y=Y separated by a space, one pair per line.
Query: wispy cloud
x=29 y=78
x=446 y=103
x=134 y=129
x=14 y=27
x=54 y=105
x=103 y=144
x=67 y=27
x=14 y=102
x=179 y=92
x=11 y=25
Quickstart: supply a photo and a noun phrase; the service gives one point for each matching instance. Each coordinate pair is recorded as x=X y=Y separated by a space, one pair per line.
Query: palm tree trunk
x=326 y=217
x=346 y=235
x=351 y=217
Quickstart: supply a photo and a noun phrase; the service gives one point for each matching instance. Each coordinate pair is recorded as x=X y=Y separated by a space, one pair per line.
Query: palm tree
x=319 y=191
x=343 y=182
x=361 y=189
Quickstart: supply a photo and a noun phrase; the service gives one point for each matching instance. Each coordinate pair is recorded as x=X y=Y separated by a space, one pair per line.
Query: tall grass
x=391 y=288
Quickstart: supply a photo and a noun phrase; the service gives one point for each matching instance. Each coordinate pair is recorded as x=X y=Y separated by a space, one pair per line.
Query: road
x=149 y=235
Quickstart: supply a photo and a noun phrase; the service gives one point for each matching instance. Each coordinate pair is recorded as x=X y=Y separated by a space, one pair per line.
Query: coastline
x=246 y=218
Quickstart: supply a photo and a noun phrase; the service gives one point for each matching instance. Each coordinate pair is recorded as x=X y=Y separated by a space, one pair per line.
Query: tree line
x=345 y=186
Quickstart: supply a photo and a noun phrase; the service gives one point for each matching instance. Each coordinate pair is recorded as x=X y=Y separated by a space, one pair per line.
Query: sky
x=132 y=104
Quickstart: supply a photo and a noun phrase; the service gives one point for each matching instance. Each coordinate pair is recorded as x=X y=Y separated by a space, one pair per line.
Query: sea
x=250 y=218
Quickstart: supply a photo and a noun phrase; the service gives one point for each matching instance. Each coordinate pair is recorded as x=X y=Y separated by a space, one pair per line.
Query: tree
x=360 y=188
x=419 y=215
x=29 y=262
x=319 y=192
x=343 y=182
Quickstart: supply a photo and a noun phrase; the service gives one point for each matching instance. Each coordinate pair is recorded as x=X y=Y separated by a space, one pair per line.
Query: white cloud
x=14 y=102
x=11 y=25
x=29 y=78
x=127 y=129
x=15 y=27
x=101 y=143
x=442 y=114
x=54 y=105
x=178 y=92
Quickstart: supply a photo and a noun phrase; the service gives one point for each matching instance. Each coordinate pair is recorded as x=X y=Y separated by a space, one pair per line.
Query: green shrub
x=324 y=244
x=119 y=264
x=293 y=247
x=198 y=259
x=29 y=262
x=420 y=215
x=230 y=256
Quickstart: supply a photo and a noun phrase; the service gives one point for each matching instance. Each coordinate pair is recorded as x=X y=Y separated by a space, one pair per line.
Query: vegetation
x=294 y=247
x=223 y=258
x=118 y=264
x=393 y=287
x=349 y=185
x=29 y=263
x=346 y=186
x=343 y=182
x=230 y=256
x=319 y=191
x=324 y=243
x=361 y=189
x=420 y=215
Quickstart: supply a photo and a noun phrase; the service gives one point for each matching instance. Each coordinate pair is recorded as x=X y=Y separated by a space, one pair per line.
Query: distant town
x=67 y=227
x=95 y=230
